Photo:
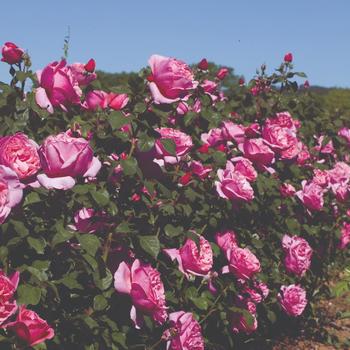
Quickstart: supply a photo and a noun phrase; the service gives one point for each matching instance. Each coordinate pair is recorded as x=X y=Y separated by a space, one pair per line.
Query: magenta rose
x=245 y=167
x=226 y=240
x=117 y=101
x=170 y=80
x=321 y=177
x=185 y=332
x=8 y=286
x=20 y=153
x=214 y=137
x=311 y=196
x=87 y=220
x=233 y=185
x=30 y=327
x=197 y=168
x=142 y=282
x=340 y=174
x=11 y=191
x=242 y=263
x=58 y=87
x=287 y=190
x=345 y=134
x=239 y=320
x=277 y=137
x=64 y=158
x=258 y=152
x=298 y=254
x=231 y=131
x=284 y=120
x=345 y=236
x=221 y=74
x=82 y=73
x=95 y=99
x=183 y=144
x=292 y=299
x=11 y=53
x=191 y=260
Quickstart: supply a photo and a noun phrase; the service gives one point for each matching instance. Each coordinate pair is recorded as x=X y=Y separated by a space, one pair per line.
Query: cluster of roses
x=26 y=324
x=63 y=158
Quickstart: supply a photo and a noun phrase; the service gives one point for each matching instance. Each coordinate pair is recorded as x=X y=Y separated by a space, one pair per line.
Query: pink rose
x=288 y=57
x=11 y=53
x=341 y=192
x=292 y=299
x=81 y=74
x=87 y=220
x=20 y=153
x=117 y=101
x=242 y=263
x=182 y=108
x=209 y=86
x=203 y=64
x=8 y=286
x=233 y=185
x=303 y=155
x=226 y=240
x=59 y=87
x=287 y=190
x=339 y=174
x=183 y=144
x=191 y=260
x=298 y=254
x=345 y=236
x=170 y=80
x=185 y=332
x=245 y=167
x=7 y=309
x=258 y=152
x=30 y=327
x=321 y=178
x=252 y=130
x=277 y=137
x=142 y=282
x=232 y=131
x=322 y=147
x=213 y=137
x=63 y=158
x=284 y=120
x=95 y=99
x=90 y=65
x=311 y=195
x=11 y=191
x=239 y=320
x=202 y=171
x=345 y=134
x=221 y=74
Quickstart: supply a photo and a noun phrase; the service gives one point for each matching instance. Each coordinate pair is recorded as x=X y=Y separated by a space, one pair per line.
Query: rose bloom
x=171 y=79
x=30 y=327
x=87 y=220
x=287 y=190
x=233 y=185
x=277 y=137
x=232 y=131
x=11 y=53
x=142 y=282
x=81 y=74
x=345 y=134
x=191 y=260
x=245 y=167
x=298 y=254
x=292 y=299
x=340 y=173
x=63 y=158
x=183 y=144
x=321 y=177
x=213 y=138
x=242 y=263
x=95 y=99
x=239 y=321
x=221 y=74
x=117 y=101
x=284 y=120
x=226 y=240
x=185 y=332
x=311 y=195
x=252 y=130
x=11 y=191
x=303 y=155
x=58 y=87
x=202 y=171
x=8 y=286
x=345 y=236
x=258 y=152
x=20 y=153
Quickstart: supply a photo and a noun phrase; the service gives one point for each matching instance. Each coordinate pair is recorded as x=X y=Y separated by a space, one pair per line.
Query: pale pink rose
x=321 y=178
x=191 y=260
x=345 y=236
x=81 y=74
x=182 y=108
x=277 y=137
x=170 y=80
x=311 y=196
x=221 y=74
x=185 y=332
x=292 y=299
x=87 y=220
x=183 y=144
x=287 y=190
x=30 y=328
x=213 y=138
x=142 y=282
x=117 y=101
x=294 y=149
x=245 y=167
x=323 y=148
x=232 y=131
x=233 y=185
x=197 y=106
x=340 y=174
x=345 y=134
x=202 y=171
x=258 y=152
x=298 y=254
x=226 y=240
x=11 y=53
x=95 y=99
x=20 y=153
x=64 y=158
x=242 y=263
x=11 y=191
x=58 y=87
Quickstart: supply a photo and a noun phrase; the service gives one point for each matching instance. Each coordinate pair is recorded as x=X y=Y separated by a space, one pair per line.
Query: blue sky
x=121 y=35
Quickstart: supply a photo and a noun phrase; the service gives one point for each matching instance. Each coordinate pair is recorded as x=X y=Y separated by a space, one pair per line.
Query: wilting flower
x=292 y=299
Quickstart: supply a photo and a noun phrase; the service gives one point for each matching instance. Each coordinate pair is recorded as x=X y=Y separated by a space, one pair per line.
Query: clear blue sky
x=121 y=35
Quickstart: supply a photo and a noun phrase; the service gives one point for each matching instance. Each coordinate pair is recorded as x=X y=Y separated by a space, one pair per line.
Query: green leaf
x=103 y=282
x=201 y=303
x=31 y=198
x=38 y=244
x=150 y=244
x=100 y=302
x=172 y=231
x=117 y=119
x=28 y=295
x=169 y=145
x=100 y=197
x=129 y=166
x=89 y=243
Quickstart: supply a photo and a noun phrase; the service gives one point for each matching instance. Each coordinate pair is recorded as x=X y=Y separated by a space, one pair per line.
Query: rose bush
x=186 y=209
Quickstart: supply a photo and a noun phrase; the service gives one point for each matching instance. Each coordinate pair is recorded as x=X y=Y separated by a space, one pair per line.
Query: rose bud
x=11 y=53
x=288 y=57
x=203 y=64
x=90 y=65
